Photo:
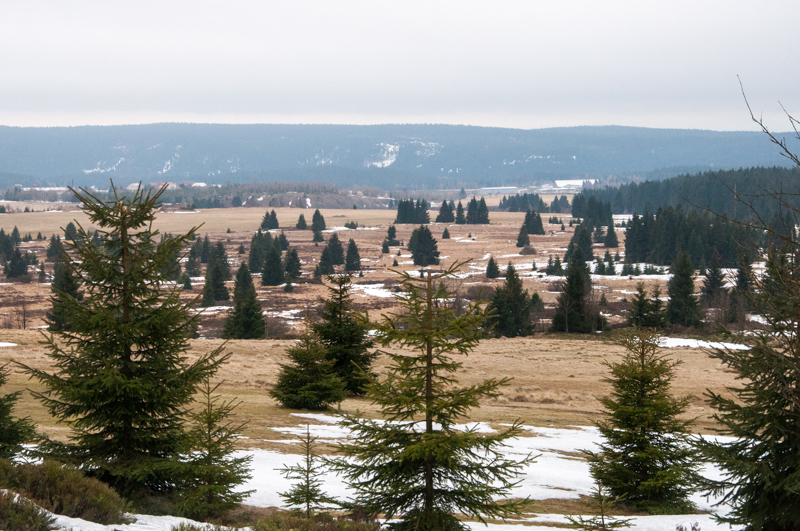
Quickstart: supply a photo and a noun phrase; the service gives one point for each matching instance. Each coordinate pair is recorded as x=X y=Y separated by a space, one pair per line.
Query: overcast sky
x=526 y=64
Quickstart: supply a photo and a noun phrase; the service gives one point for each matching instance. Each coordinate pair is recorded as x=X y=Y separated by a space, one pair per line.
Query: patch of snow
x=374 y=290
x=678 y=342
x=8 y=345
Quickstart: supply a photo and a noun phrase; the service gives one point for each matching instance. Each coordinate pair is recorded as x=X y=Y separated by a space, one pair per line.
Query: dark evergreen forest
x=710 y=190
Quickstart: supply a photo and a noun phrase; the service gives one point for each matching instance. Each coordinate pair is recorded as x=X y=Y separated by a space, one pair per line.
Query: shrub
x=19 y=514
x=64 y=490
x=286 y=521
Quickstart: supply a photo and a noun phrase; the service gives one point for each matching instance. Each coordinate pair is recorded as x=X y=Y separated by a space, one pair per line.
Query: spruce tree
x=646 y=312
x=460 y=217
x=522 y=237
x=272 y=274
x=214 y=473
x=16 y=267
x=645 y=456
x=245 y=321
x=317 y=236
x=714 y=284
x=581 y=239
x=472 y=211
x=283 y=241
x=301 y=223
x=335 y=248
x=391 y=235
x=602 y=503
x=573 y=314
x=214 y=288
x=219 y=257
x=483 y=212
x=307 y=492
x=53 y=249
x=418 y=467
x=325 y=265
x=308 y=381
x=273 y=220
x=423 y=247
x=760 y=459
x=344 y=335
x=352 y=261
x=123 y=383
x=533 y=223
x=446 y=234
x=291 y=264
x=65 y=285
x=682 y=306
x=14 y=432
x=205 y=250
x=510 y=309
x=193 y=263
x=492 y=271
x=445 y=214
x=317 y=221
x=611 y=239
x=385 y=247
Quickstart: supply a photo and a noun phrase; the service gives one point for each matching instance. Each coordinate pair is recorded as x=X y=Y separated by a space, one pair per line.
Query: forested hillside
x=387 y=156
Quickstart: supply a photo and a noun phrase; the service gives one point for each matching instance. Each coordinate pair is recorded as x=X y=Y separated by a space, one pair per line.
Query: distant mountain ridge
x=387 y=156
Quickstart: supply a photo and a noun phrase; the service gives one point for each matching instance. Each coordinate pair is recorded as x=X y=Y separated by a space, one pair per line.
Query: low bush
x=64 y=490
x=20 y=514
x=295 y=521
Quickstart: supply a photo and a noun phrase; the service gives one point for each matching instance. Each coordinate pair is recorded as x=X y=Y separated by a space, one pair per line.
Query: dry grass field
x=557 y=379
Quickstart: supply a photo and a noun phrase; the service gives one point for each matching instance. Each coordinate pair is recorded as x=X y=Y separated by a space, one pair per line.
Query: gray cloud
x=521 y=64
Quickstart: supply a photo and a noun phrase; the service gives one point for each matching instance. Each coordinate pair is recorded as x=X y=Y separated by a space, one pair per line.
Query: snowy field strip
x=676 y=342
x=556 y=473
x=373 y=290
x=7 y=345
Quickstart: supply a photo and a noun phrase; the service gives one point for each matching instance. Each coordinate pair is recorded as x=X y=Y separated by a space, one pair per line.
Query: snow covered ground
x=556 y=473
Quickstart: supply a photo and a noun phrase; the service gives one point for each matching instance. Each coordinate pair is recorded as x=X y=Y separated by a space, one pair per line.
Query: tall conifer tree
x=123 y=382
x=272 y=274
x=352 y=261
x=510 y=309
x=682 y=306
x=645 y=456
x=420 y=475
x=246 y=320
x=335 y=248
x=344 y=335
x=64 y=285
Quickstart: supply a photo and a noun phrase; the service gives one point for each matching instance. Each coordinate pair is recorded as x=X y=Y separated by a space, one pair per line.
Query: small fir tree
x=445 y=214
x=123 y=382
x=283 y=241
x=272 y=274
x=522 y=237
x=492 y=271
x=214 y=473
x=682 y=306
x=307 y=492
x=423 y=247
x=245 y=321
x=511 y=306
x=317 y=222
x=345 y=335
x=713 y=289
x=308 y=381
x=573 y=314
x=611 y=240
x=325 y=265
x=16 y=268
x=291 y=263
x=385 y=247
x=214 y=288
x=193 y=263
x=336 y=250
x=602 y=503
x=65 y=285
x=391 y=235
x=461 y=219
x=317 y=236
x=219 y=257
x=301 y=223
x=14 y=432
x=446 y=234
x=352 y=261
x=646 y=455
x=644 y=312
x=419 y=475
